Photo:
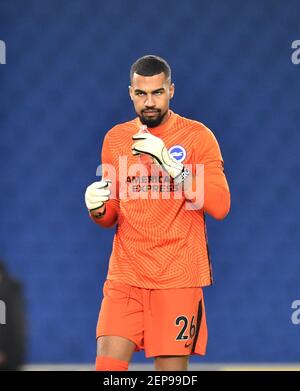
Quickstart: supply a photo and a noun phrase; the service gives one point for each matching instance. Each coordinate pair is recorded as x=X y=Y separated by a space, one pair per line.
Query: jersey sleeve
x=216 y=190
x=109 y=172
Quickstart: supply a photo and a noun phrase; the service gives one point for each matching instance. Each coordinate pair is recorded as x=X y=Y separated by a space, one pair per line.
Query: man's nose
x=149 y=100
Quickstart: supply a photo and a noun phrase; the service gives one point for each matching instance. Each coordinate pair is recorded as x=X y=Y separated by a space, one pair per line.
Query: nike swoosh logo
x=186 y=345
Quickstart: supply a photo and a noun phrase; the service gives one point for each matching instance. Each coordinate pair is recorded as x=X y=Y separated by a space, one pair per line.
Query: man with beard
x=161 y=174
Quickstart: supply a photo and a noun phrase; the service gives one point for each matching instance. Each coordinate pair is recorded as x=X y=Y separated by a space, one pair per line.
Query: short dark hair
x=150 y=65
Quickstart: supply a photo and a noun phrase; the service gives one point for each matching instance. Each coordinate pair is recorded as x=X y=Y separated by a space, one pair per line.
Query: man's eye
x=139 y=93
x=158 y=92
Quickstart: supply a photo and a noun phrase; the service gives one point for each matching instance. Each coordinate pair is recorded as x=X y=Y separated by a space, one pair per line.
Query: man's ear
x=172 y=90
x=130 y=90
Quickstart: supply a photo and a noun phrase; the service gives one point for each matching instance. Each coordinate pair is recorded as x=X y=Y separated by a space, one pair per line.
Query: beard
x=152 y=121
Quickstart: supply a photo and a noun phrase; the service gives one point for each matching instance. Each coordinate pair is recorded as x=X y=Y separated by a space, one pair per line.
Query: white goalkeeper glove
x=147 y=143
x=97 y=194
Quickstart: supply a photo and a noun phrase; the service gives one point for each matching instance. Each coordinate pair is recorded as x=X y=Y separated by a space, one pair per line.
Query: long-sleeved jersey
x=160 y=240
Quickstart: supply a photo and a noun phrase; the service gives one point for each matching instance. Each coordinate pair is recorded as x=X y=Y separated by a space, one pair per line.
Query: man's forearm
x=211 y=194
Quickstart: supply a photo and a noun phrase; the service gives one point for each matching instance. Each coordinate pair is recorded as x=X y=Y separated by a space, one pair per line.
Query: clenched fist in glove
x=148 y=144
x=97 y=194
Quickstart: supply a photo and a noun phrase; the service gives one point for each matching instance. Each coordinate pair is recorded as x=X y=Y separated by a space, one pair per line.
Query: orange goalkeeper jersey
x=159 y=243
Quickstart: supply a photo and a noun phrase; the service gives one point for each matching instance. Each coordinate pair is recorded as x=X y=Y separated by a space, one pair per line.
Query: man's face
x=151 y=96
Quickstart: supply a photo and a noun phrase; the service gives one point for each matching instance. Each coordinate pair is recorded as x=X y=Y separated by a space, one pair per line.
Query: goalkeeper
x=162 y=173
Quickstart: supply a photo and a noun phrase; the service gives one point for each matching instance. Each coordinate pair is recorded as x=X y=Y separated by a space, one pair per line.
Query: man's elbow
x=220 y=214
x=221 y=209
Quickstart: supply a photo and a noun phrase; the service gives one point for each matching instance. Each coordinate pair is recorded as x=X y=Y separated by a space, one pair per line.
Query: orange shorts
x=160 y=321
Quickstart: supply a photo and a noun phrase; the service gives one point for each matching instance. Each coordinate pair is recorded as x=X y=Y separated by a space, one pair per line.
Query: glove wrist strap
x=182 y=176
x=98 y=215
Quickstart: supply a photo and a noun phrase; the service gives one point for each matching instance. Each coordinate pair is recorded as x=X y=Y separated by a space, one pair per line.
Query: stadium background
x=65 y=84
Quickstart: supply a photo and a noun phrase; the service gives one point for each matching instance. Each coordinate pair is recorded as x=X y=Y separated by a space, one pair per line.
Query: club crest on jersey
x=178 y=152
